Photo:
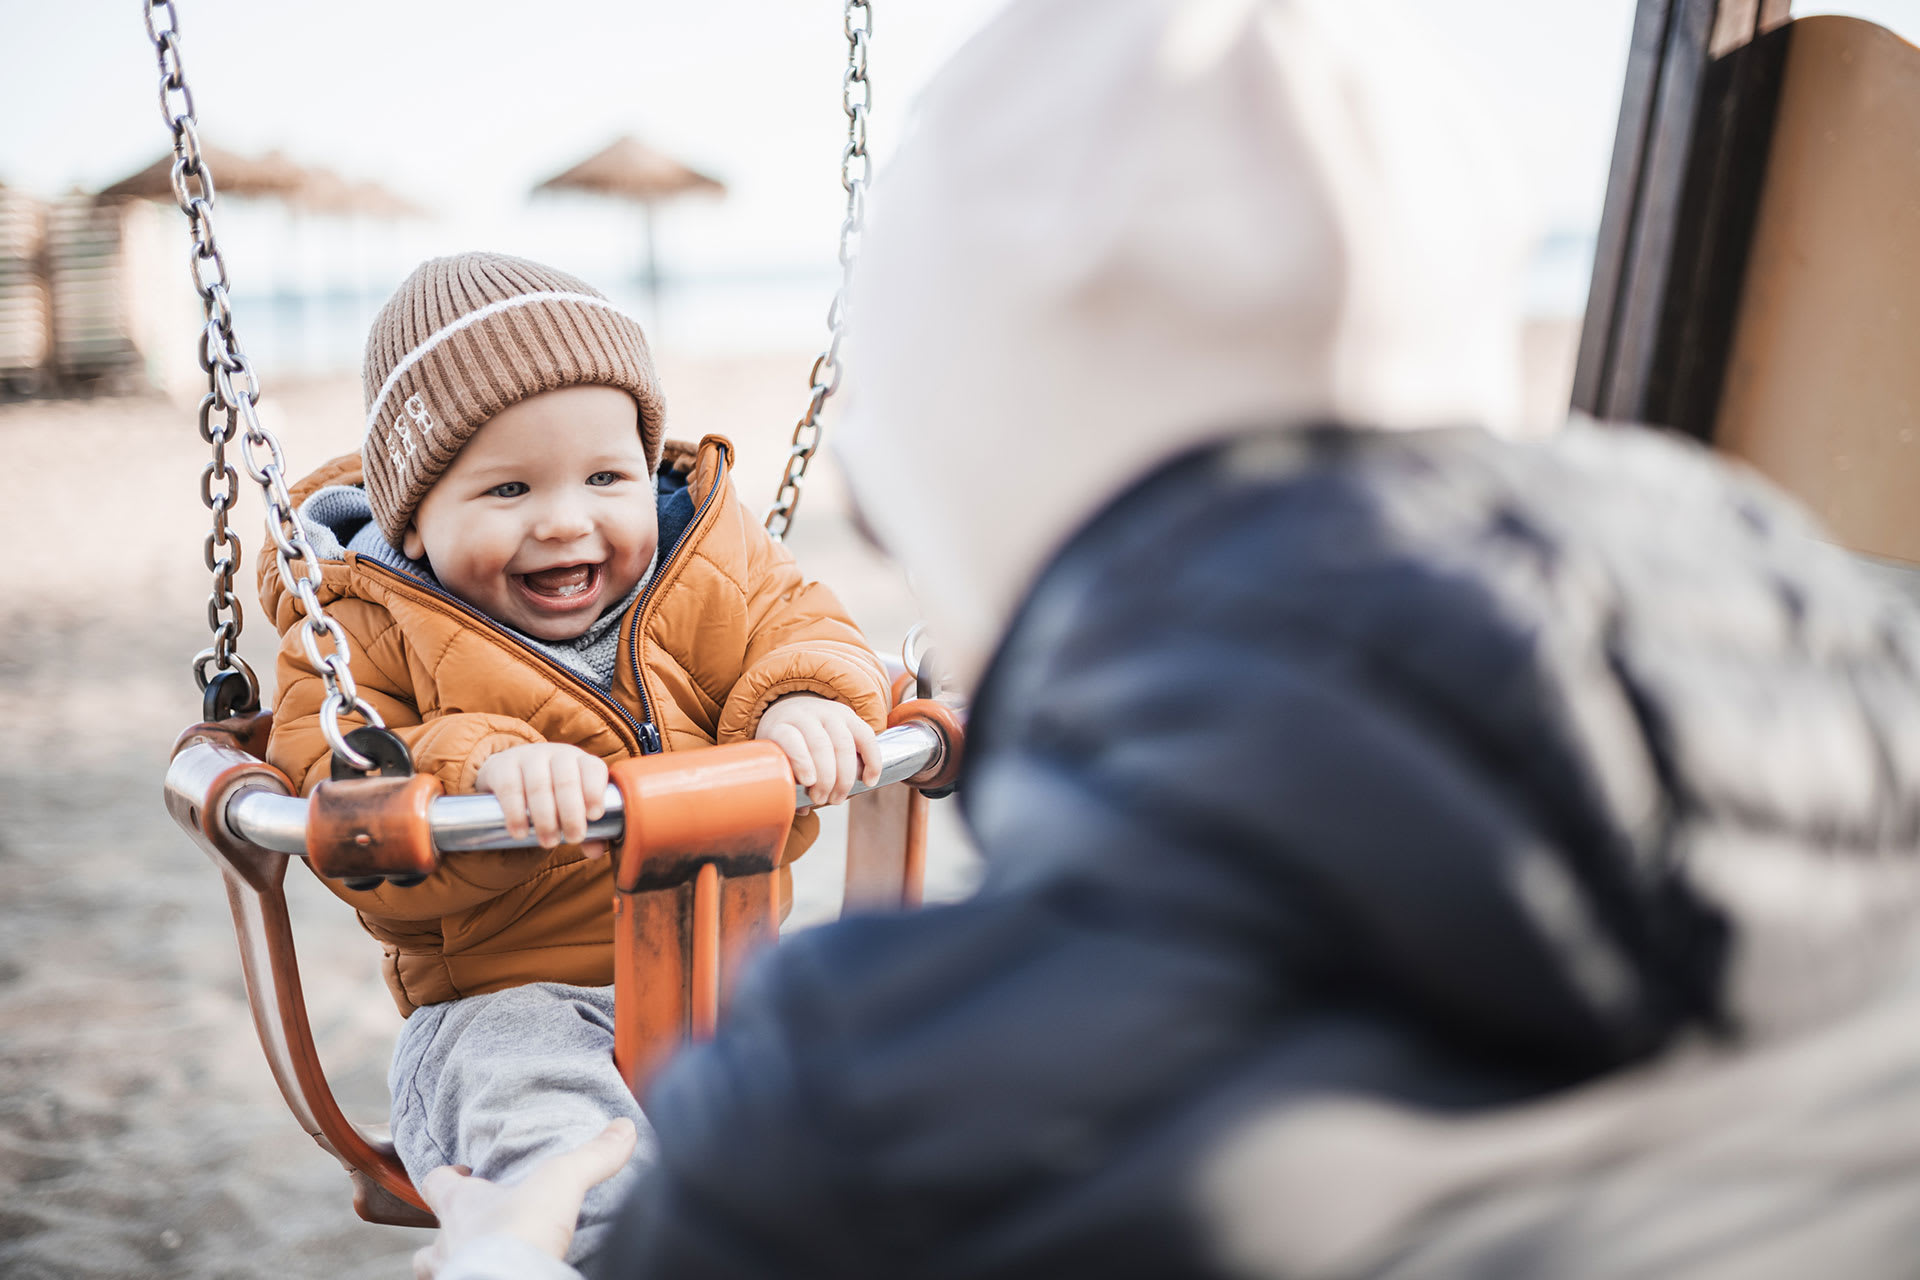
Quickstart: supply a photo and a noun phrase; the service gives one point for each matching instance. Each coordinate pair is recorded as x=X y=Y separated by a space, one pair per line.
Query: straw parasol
x=629 y=169
x=234 y=174
x=324 y=191
x=374 y=199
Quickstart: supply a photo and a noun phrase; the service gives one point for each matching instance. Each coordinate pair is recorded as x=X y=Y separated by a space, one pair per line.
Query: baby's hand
x=551 y=787
x=830 y=746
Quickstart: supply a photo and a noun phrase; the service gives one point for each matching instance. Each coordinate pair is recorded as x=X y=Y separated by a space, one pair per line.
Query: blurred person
x=1411 y=852
x=537 y=585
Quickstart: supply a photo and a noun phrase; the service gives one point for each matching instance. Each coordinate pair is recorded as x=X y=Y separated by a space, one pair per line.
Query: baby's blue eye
x=511 y=489
x=603 y=478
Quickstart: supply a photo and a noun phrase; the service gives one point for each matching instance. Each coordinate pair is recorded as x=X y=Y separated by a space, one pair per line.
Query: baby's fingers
x=541 y=806
x=569 y=802
x=510 y=789
x=867 y=742
x=846 y=758
x=820 y=750
x=593 y=781
x=790 y=740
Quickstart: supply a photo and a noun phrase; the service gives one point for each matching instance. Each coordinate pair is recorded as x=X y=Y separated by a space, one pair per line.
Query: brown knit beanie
x=464 y=337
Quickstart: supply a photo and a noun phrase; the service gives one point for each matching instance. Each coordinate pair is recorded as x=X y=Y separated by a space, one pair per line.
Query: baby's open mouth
x=562 y=582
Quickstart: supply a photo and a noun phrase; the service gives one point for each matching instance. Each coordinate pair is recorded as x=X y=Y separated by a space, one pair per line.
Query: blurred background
x=140 y=1132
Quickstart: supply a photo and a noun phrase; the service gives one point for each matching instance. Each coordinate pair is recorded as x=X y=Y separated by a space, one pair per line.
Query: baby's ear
x=410 y=544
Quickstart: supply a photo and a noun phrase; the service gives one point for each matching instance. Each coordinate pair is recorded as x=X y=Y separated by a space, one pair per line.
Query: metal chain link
x=856 y=171
x=230 y=406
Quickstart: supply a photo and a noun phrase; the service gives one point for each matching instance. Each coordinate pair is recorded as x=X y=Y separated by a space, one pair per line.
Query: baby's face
x=546 y=518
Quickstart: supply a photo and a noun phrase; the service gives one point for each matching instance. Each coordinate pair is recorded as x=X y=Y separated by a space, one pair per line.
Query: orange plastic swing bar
x=697 y=891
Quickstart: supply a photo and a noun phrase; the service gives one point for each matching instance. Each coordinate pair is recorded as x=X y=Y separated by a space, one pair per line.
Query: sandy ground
x=140 y=1132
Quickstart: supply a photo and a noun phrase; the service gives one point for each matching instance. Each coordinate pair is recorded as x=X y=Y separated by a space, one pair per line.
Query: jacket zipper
x=540 y=659
x=646 y=733
x=650 y=743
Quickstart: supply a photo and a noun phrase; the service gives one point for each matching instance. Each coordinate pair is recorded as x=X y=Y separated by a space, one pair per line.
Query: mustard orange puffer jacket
x=726 y=626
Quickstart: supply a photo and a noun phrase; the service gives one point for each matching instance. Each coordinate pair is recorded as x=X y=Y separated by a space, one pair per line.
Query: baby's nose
x=562 y=521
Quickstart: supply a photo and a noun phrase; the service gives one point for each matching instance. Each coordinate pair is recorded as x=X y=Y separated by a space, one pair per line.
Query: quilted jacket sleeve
x=800 y=640
x=451 y=747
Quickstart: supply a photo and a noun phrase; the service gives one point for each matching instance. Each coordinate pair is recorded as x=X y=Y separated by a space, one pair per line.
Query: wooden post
x=1696 y=114
x=651 y=273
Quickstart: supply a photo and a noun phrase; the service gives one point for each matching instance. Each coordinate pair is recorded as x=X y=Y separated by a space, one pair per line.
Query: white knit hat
x=1122 y=227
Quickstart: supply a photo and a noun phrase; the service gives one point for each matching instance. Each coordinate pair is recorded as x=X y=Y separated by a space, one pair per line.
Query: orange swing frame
x=695 y=895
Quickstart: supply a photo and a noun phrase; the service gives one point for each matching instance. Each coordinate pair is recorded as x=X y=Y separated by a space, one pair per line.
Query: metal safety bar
x=466 y=824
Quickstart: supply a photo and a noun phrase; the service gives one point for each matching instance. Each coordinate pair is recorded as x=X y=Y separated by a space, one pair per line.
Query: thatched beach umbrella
x=233 y=174
x=376 y=201
x=349 y=205
x=629 y=169
x=324 y=191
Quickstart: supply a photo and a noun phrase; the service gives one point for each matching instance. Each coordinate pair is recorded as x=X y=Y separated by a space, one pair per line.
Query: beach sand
x=140 y=1131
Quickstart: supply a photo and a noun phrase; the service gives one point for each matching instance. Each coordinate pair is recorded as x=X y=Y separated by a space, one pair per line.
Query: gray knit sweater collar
x=339 y=519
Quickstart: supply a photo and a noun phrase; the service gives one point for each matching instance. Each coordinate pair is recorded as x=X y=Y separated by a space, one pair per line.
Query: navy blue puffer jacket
x=1433 y=770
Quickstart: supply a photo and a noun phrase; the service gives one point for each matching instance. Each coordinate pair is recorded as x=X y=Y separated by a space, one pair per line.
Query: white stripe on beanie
x=447 y=330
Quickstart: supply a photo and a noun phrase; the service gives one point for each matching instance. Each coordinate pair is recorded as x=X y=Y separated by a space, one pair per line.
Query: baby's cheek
x=644 y=548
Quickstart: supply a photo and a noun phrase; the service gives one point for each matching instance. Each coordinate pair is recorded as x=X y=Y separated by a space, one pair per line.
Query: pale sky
x=463 y=105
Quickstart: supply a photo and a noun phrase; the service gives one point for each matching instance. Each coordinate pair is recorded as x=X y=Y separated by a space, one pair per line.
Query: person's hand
x=542 y=1209
x=549 y=788
x=828 y=744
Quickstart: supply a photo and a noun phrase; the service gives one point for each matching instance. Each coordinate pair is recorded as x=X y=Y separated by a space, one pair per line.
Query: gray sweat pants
x=500 y=1082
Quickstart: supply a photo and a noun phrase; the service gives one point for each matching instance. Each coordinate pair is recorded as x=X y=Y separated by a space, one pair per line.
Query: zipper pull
x=649 y=739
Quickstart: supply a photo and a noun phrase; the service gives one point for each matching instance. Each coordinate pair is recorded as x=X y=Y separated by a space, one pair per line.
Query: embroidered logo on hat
x=416 y=409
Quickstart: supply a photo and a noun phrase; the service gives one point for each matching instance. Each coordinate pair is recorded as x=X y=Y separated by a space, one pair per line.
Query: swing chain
x=230 y=410
x=856 y=171
x=223 y=552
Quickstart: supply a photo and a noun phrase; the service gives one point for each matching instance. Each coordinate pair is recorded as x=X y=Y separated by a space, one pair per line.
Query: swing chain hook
x=230 y=410
x=856 y=172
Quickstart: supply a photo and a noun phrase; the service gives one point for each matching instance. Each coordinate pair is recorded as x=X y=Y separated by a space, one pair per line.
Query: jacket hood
x=340 y=519
x=280 y=603
x=1120 y=228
